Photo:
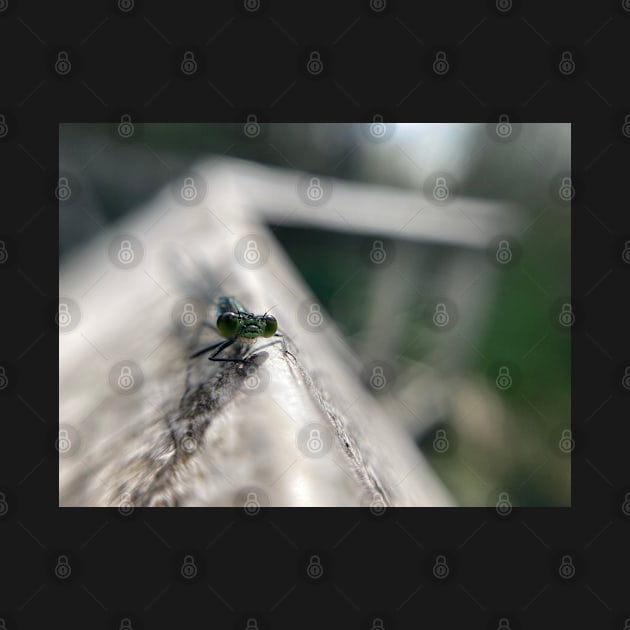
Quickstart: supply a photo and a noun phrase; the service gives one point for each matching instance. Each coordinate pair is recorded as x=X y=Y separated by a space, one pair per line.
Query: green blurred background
x=499 y=441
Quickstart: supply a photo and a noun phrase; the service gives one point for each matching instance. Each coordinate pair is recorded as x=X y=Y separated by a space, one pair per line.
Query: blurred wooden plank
x=234 y=437
x=281 y=196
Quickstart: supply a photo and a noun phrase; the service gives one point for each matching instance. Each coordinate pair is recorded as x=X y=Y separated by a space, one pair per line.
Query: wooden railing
x=141 y=424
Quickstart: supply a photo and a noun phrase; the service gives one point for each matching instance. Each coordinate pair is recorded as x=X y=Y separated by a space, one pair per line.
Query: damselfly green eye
x=227 y=324
x=271 y=325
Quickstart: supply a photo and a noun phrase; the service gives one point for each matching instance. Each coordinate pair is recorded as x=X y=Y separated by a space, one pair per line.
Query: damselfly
x=236 y=323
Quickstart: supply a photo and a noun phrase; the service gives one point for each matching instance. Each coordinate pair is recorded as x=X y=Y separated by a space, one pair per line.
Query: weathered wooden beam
x=142 y=424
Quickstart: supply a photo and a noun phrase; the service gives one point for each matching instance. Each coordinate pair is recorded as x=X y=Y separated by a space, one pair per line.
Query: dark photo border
x=100 y=568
